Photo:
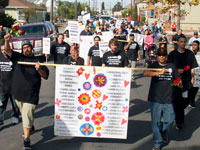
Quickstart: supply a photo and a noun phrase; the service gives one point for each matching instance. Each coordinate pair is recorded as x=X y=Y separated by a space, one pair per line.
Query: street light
x=75 y=7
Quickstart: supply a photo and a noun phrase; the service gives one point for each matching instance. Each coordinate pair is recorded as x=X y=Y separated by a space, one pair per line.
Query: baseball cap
x=162 y=51
x=195 y=33
x=26 y=42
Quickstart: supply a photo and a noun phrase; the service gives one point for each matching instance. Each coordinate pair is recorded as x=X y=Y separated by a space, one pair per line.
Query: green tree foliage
x=117 y=7
x=125 y=12
x=28 y=12
x=66 y=9
x=135 y=13
x=4 y=3
x=6 y=20
x=102 y=7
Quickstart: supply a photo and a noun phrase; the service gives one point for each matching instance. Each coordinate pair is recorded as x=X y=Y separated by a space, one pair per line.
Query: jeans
x=4 y=100
x=132 y=64
x=164 y=112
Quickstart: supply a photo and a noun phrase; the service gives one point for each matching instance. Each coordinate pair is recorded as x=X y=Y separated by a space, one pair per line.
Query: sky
x=108 y=3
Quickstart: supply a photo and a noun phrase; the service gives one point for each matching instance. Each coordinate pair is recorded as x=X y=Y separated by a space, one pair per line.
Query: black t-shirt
x=70 y=61
x=132 y=52
x=6 y=72
x=26 y=80
x=60 y=51
x=118 y=59
x=161 y=90
x=85 y=33
x=94 y=53
x=180 y=60
x=135 y=31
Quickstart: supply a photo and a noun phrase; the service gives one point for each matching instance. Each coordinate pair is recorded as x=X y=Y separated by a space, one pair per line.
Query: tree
x=102 y=7
x=28 y=12
x=117 y=7
x=127 y=12
x=135 y=13
x=6 y=20
x=4 y=3
x=167 y=4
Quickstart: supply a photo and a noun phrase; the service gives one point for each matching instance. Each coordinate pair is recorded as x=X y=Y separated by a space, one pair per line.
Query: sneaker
x=15 y=120
x=156 y=147
x=32 y=131
x=27 y=144
x=192 y=105
x=165 y=138
x=179 y=127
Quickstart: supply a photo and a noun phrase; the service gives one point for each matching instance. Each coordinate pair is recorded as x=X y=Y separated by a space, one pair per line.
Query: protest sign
x=46 y=45
x=73 y=31
x=92 y=101
x=85 y=43
x=196 y=77
x=103 y=47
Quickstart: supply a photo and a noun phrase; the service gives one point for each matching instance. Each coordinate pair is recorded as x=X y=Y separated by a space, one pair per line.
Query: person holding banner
x=122 y=37
x=26 y=82
x=185 y=62
x=94 y=53
x=132 y=50
x=161 y=101
x=114 y=57
x=60 y=49
x=74 y=59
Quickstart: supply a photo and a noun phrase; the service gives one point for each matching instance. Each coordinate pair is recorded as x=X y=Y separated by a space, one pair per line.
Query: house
x=15 y=6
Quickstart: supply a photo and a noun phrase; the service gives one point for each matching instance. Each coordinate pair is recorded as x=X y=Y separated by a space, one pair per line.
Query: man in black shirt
x=26 y=83
x=86 y=31
x=6 y=71
x=74 y=59
x=94 y=53
x=60 y=49
x=176 y=37
x=132 y=50
x=123 y=38
x=185 y=62
x=114 y=58
x=160 y=97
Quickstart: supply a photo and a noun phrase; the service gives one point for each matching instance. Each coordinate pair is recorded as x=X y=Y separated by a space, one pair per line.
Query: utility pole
x=75 y=7
x=51 y=12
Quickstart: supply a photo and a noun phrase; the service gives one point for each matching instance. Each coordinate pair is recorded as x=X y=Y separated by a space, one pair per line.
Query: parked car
x=35 y=33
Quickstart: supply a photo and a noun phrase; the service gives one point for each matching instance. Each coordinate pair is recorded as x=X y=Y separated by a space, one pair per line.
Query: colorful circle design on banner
x=87 y=129
x=87 y=118
x=80 y=117
x=96 y=93
x=104 y=108
x=98 y=128
x=80 y=108
x=87 y=85
x=84 y=99
x=98 y=134
x=87 y=111
x=100 y=80
x=98 y=118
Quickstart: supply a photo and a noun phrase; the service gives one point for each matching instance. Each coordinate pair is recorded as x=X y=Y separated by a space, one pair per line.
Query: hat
x=195 y=33
x=161 y=51
x=26 y=42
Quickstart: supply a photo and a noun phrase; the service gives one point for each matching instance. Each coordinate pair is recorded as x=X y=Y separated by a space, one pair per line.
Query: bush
x=6 y=20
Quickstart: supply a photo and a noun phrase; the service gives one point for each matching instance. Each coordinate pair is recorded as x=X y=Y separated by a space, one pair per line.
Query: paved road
x=139 y=127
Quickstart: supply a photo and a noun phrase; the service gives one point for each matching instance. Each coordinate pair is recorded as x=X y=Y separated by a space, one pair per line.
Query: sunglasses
x=162 y=54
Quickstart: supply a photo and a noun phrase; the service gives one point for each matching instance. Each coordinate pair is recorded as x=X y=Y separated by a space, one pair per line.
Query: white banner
x=92 y=101
x=46 y=45
x=197 y=77
x=73 y=31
